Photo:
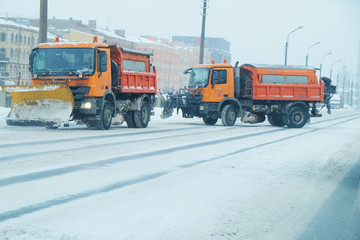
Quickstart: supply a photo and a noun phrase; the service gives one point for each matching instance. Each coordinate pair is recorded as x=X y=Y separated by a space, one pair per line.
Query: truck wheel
x=297 y=118
x=228 y=115
x=210 y=120
x=276 y=120
x=129 y=119
x=142 y=117
x=105 y=118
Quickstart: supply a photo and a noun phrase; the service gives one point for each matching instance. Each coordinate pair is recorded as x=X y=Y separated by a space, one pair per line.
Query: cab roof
x=219 y=65
x=71 y=45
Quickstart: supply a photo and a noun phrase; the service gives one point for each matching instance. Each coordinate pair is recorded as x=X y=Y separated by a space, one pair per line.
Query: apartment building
x=16 y=42
x=19 y=36
x=219 y=48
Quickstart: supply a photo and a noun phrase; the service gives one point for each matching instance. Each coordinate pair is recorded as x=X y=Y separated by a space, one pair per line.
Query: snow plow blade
x=39 y=105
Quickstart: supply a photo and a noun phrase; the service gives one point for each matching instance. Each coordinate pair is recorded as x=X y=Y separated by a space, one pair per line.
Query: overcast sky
x=256 y=29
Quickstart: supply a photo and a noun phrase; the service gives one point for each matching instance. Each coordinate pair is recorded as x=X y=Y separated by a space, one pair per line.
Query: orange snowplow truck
x=94 y=83
x=287 y=95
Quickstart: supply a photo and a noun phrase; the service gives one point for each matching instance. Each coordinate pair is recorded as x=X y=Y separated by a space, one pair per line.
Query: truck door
x=219 y=86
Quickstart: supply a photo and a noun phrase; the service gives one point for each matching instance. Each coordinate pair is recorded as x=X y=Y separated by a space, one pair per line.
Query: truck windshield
x=63 y=61
x=199 y=77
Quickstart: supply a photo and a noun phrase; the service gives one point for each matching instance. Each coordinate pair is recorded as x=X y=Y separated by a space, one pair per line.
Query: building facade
x=219 y=48
x=16 y=43
x=171 y=58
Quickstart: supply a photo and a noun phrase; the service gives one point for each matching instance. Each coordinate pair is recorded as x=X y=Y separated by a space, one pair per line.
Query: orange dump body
x=135 y=74
x=271 y=82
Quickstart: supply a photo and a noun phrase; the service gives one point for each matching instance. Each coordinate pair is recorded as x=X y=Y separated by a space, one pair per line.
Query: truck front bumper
x=206 y=108
x=87 y=106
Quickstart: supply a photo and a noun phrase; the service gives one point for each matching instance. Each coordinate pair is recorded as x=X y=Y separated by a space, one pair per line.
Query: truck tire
x=105 y=117
x=210 y=120
x=228 y=115
x=129 y=119
x=276 y=120
x=142 y=117
x=296 y=118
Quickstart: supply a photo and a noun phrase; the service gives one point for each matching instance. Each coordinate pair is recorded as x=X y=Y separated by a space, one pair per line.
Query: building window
x=12 y=53
x=3 y=36
x=12 y=38
x=2 y=53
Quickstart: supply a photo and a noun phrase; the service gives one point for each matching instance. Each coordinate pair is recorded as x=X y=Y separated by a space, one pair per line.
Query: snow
x=17 y=88
x=22 y=26
x=46 y=109
x=176 y=179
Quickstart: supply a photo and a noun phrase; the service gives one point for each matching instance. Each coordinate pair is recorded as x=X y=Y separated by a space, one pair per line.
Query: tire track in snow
x=119 y=185
x=109 y=161
x=91 y=137
x=97 y=145
x=102 y=163
x=62 y=200
x=96 y=137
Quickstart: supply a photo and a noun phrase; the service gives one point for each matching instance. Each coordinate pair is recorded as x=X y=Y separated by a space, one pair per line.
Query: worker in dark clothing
x=329 y=91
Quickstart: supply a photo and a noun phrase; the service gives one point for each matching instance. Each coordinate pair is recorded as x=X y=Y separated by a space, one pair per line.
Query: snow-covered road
x=176 y=179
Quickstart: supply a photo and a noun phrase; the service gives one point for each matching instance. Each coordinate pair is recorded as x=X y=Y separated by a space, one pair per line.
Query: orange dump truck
x=287 y=95
x=90 y=82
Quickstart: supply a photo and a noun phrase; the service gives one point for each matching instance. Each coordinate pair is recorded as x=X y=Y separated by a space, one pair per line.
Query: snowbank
x=3 y=114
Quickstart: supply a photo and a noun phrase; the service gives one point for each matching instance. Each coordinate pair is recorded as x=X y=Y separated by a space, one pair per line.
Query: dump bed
x=135 y=75
x=279 y=82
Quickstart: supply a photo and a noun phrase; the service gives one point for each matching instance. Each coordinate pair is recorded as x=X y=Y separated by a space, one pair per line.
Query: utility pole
x=43 y=22
x=202 y=43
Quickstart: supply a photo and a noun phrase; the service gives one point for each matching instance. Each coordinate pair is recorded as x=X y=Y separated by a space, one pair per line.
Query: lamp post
x=287 y=42
x=202 y=41
x=333 y=66
x=337 y=79
x=307 y=54
x=329 y=53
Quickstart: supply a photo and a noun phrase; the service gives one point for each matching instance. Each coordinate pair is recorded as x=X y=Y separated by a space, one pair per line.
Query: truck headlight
x=86 y=105
x=202 y=108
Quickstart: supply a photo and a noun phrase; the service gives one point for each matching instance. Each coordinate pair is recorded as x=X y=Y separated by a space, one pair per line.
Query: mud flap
x=39 y=105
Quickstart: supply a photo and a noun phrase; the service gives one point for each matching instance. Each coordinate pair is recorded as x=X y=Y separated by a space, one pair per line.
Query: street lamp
x=329 y=53
x=307 y=54
x=333 y=66
x=337 y=79
x=287 y=42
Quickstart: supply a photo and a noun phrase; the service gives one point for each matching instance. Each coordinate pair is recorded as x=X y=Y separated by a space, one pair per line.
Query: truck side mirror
x=188 y=71
x=102 y=61
x=31 y=60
